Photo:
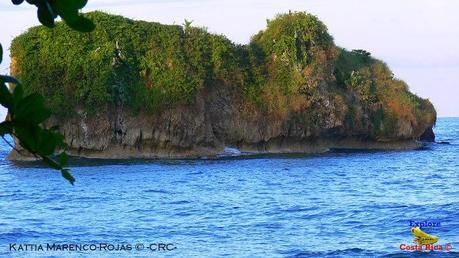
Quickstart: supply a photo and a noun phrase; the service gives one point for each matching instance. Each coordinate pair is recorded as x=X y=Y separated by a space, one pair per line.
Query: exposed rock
x=146 y=90
x=214 y=121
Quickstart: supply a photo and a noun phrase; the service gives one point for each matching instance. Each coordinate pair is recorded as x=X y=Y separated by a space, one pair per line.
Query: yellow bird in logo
x=422 y=238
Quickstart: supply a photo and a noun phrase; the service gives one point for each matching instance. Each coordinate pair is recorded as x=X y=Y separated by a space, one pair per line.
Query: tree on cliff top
x=27 y=112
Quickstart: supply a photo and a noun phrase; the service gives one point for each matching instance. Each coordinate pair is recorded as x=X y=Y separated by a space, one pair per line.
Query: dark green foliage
x=146 y=66
x=149 y=66
x=349 y=62
x=26 y=112
x=298 y=47
x=68 y=10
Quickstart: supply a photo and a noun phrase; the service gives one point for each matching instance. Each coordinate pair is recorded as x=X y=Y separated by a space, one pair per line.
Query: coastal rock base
x=276 y=146
x=216 y=120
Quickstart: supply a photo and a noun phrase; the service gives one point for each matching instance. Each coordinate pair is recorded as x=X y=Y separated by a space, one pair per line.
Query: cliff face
x=167 y=91
x=215 y=120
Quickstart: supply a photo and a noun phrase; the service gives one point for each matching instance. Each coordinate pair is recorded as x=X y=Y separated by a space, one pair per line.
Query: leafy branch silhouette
x=26 y=113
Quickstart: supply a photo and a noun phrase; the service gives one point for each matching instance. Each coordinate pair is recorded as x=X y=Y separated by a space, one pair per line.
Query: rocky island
x=136 y=89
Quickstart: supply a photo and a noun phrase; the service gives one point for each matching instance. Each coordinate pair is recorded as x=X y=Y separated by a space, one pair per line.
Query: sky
x=418 y=39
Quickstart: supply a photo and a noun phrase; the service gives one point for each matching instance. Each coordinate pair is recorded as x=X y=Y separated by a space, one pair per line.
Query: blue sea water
x=342 y=204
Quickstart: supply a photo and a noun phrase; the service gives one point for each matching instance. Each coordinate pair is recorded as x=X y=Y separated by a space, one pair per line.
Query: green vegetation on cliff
x=140 y=64
x=291 y=69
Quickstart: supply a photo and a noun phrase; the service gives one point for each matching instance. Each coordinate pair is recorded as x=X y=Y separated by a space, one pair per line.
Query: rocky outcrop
x=145 y=90
x=217 y=120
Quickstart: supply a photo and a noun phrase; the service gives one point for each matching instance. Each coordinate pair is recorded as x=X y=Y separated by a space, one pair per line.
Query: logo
x=425 y=224
x=424 y=241
x=422 y=238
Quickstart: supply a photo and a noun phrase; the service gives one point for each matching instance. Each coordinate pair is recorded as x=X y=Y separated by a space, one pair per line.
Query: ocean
x=339 y=204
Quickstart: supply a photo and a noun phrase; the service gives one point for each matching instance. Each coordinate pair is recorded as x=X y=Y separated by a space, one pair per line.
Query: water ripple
x=340 y=204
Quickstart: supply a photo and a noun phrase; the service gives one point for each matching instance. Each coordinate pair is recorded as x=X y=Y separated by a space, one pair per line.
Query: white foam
x=231 y=151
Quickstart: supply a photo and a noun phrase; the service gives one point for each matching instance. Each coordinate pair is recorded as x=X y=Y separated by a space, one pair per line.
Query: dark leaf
x=6 y=98
x=27 y=135
x=51 y=163
x=6 y=128
x=31 y=110
x=66 y=10
x=9 y=79
x=82 y=24
x=66 y=174
x=44 y=15
x=60 y=140
x=17 y=2
x=77 y=4
x=69 y=11
x=63 y=159
x=18 y=93
x=46 y=143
